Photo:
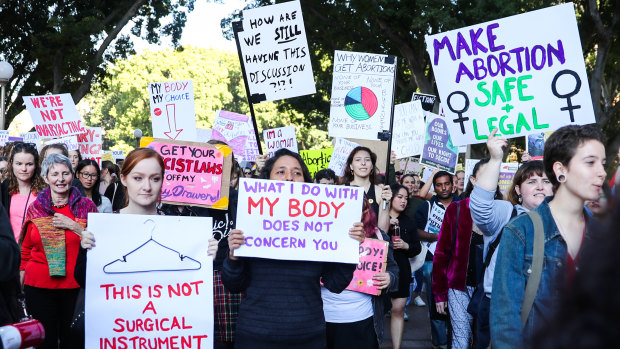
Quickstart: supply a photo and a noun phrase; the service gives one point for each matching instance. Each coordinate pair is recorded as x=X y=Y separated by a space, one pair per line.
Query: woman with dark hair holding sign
x=282 y=306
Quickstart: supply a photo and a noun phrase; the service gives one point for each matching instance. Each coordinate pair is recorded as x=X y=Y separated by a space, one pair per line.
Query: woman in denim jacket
x=574 y=159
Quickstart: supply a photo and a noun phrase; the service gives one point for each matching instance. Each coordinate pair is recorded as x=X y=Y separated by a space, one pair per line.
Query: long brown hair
x=133 y=158
x=36 y=182
x=348 y=173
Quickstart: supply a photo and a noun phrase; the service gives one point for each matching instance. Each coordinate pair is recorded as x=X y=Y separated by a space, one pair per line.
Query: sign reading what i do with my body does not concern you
x=54 y=116
x=298 y=221
x=195 y=173
x=522 y=74
x=172 y=110
x=152 y=288
x=274 y=51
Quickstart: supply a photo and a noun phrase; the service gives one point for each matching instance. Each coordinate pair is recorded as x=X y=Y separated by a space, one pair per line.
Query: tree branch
x=57 y=72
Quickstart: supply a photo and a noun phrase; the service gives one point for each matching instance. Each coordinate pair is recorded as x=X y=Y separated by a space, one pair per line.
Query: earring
x=562 y=178
x=520 y=198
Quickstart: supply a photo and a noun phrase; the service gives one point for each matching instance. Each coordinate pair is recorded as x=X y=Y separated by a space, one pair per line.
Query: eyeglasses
x=89 y=175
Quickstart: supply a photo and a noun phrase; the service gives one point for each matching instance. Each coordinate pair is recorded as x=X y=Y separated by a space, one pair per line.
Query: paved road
x=417 y=330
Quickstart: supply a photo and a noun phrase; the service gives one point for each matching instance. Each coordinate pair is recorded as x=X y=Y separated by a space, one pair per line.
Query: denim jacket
x=514 y=259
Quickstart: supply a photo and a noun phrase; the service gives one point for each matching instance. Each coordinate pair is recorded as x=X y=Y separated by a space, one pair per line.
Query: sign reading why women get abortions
x=154 y=289
x=298 y=221
x=195 y=173
x=522 y=74
x=54 y=116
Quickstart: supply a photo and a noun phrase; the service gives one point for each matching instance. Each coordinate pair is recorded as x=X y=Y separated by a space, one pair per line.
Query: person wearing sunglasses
x=88 y=173
x=22 y=183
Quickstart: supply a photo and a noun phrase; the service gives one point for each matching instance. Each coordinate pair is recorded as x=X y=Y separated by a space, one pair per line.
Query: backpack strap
x=531 y=287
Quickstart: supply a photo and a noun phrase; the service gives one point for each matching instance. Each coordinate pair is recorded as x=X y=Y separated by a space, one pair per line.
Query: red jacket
x=450 y=268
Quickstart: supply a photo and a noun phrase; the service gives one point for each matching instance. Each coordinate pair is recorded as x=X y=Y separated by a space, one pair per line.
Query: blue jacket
x=512 y=270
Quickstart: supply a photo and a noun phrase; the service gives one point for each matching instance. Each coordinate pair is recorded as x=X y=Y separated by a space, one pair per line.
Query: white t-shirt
x=347 y=306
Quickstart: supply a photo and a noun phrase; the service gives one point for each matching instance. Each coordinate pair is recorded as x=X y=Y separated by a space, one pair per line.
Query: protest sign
x=317 y=159
x=90 y=144
x=522 y=74
x=342 y=149
x=172 y=110
x=274 y=51
x=408 y=130
x=152 y=286
x=438 y=150
x=535 y=144
x=251 y=145
x=469 y=169
x=4 y=137
x=70 y=142
x=433 y=225
x=373 y=259
x=106 y=155
x=280 y=138
x=54 y=116
x=410 y=165
x=298 y=221
x=203 y=135
x=362 y=94
x=196 y=174
x=118 y=155
x=231 y=128
x=428 y=101
x=32 y=137
x=506 y=173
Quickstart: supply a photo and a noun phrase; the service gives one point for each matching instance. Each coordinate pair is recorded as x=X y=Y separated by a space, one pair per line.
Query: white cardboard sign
x=70 y=142
x=54 y=116
x=362 y=94
x=522 y=74
x=4 y=137
x=172 y=110
x=32 y=137
x=279 y=138
x=232 y=128
x=342 y=149
x=275 y=52
x=408 y=130
x=90 y=143
x=152 y=270
x=298 y=221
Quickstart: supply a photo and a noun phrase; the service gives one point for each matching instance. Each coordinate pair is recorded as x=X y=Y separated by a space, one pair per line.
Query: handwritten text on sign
x=298 y=221
x=231 y=128
x=522 y=74
x=373 y=260
x=90 y=143
x=342 y=150
x=408 y=130
x=156 y=291
x=275 y=52
x=438 y=150
x=195 y=173
x=54 y=116
x=280 y=138
x=172 y=110
x=316 y=159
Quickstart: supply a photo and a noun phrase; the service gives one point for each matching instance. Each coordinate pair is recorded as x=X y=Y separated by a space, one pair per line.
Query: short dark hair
x=563 y=143
x=266 y=171
x=527 y=170
x=396 y=188
x=442 y=174
x=326 y=173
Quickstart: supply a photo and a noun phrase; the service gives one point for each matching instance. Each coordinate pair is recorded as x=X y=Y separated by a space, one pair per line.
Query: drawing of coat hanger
x=151 y=256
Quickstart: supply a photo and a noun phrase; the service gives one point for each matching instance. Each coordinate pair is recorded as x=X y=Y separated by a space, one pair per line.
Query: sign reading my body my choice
x=172 y=110
x=298 y=221
x=195 y=173
x=522 y=74
x=275 y=52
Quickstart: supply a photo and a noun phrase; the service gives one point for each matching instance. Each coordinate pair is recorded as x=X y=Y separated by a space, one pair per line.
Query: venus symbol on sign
x=460 y=119
x=569 y=104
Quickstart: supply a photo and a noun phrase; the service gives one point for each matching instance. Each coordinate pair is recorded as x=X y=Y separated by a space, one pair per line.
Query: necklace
x=60 y=206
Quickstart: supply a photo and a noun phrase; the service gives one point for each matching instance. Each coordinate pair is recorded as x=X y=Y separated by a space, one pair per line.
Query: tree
x=64 y=46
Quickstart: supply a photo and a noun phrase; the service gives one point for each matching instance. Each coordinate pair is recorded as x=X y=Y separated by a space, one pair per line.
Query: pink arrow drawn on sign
x=172 y=107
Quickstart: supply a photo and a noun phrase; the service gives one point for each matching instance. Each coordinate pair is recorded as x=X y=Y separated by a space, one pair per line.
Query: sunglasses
x=21 y=145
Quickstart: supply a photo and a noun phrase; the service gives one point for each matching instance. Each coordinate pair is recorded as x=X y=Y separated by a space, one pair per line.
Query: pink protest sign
x=231 y=128
x=196 y=174
x=373 y=260
x=54 y=116
x=90 y=144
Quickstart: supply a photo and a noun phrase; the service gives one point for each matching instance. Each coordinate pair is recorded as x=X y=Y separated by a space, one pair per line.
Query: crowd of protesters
x=506 y=270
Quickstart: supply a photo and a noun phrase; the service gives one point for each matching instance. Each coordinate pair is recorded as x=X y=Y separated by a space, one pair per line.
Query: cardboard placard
x=298 y=221
x=4 y=137
x=438 y=150
x=342 y=149
x=362 y=94
x=231 y=128
x=535 y=144
x=316 y=159
x=469 y=169
x=90 y=143
x=275 y=52
x=106 y=155
x=196 y=174
x=280 y=138
x=506 y=174
x=118 y=155
x=203 y=135
x=428 y=101
x=373 y=259
x=172 y=110
x=70 y=142
x=251 y=145
x=408 y=131
x=522 y=74
x=32 y=137
x=154 y=285
x=54 y=116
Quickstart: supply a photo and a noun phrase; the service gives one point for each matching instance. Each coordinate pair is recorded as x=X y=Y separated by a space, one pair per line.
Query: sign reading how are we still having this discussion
x=522 y=74
x=172 y=110
x=298 y=221
x=362 y=94
x=195 y=174
x=54 y=116
x=152 y=288
x=274 y=51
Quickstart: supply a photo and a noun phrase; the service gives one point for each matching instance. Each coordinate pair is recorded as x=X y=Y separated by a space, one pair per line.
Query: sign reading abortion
x=196 y=174
x=231 y=128
x=316 y=159
x=155 y=288
x=373 y=260
x=362 y=94
x=90 y=144
x=280 y=138
x=438 y=150
x=54 y=116
x=172 y=110
x=408 y=130
x=275 y=52
x=298 y=221
x=522 y=74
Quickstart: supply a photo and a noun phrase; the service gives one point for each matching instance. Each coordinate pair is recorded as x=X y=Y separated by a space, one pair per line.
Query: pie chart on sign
x=361 y=103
